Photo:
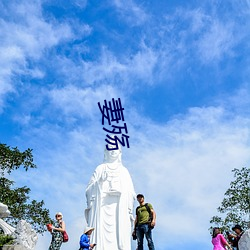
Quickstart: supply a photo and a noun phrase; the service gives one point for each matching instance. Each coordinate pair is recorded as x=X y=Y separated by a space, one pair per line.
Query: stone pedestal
x=13 y=247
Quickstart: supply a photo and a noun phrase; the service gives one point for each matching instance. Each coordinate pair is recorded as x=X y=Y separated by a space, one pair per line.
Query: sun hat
x=59 y=213
x=87 y=229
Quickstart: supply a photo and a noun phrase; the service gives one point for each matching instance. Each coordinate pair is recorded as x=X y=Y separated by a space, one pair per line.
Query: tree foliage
x=17 y=199
x=6 y=239
x=13 y=158
x=235 y=207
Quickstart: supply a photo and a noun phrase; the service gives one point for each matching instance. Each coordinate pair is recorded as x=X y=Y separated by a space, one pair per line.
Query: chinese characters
x=113 y=113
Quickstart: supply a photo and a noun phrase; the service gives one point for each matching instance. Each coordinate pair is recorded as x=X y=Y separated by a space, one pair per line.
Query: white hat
x=87 y=229
x=59 y=213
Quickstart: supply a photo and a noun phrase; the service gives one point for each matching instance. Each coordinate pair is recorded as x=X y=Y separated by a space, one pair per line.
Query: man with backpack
x=144 y=223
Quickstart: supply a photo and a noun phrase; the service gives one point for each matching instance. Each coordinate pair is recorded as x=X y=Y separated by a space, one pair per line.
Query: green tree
x=17 y=199
x=235 y=207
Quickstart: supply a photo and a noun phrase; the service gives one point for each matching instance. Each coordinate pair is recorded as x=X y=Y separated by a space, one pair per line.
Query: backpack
x=149 y=212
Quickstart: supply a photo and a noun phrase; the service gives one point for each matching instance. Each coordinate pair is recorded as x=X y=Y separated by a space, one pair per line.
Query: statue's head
x=115 y=155
x=4 y=211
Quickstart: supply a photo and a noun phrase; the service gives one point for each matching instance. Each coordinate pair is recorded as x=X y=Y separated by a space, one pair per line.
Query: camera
x=134 y=235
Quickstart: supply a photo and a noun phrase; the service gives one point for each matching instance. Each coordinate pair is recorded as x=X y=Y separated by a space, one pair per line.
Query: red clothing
x=219 y=242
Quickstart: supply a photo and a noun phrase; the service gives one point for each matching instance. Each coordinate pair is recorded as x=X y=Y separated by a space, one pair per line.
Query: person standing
x=56 y=231
x=218 y=240
x=85 y=239
x=143 y=225
x=239 y=231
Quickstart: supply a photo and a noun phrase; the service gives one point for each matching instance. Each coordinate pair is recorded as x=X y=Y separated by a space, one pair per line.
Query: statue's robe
x=244 y=242
x=110 y=197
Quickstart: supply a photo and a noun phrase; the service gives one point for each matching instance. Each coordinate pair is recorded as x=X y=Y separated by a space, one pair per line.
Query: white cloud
x=143 y=63
x=240 y=101
x=10 y=59
x=75 y=101
x=217 y=42
x=31 y=33
x=190 y=34
x=25 y=35
x=123 y=70
x=80 y=3
x=131 y=12
x=198 y=19
x=105 y=69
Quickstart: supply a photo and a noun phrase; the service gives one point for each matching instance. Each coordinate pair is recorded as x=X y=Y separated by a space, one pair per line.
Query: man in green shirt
x=144 y=223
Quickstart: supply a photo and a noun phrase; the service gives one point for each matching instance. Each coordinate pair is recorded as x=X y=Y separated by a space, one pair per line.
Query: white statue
x=244 y=242
x=4 y=212
x=110 y=197
x=25 y=235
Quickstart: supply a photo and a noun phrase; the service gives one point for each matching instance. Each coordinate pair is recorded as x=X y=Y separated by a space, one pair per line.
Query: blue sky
x=181 y=69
